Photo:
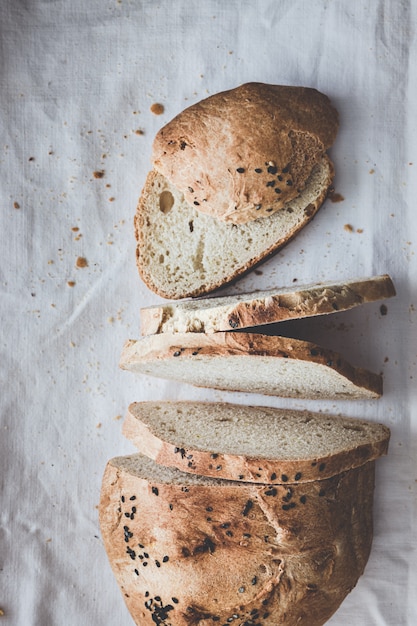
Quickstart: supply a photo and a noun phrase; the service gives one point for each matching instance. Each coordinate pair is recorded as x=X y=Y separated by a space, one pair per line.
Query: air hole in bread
x=166 y=201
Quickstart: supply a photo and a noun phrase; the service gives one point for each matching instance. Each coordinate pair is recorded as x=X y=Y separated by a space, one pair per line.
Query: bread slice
x=252 y=443
x=210 y=315
x=241 y=154
x=187 y=549
x=250 y=362
x=182 y=252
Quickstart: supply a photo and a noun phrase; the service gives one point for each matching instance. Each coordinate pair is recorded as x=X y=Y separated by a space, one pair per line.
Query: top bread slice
x=182 y=252
x=208 y=315
x=252 y=443
x=240 y=154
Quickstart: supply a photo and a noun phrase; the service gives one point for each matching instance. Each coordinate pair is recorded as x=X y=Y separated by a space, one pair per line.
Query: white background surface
x=77 y=79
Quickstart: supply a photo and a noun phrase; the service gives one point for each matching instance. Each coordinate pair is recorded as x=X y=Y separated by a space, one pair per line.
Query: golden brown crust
x=255 y=469
x=194 y=554
x=242 y=153
x=257 y=309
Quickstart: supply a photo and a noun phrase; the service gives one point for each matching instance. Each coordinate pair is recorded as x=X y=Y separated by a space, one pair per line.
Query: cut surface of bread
x=187 y=549
x=182 y=252
x=250 y=362
x=240 y=154
x=252 y=443
x=208 y=315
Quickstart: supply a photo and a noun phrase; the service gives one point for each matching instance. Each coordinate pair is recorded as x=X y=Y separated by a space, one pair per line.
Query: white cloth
x=77 y=80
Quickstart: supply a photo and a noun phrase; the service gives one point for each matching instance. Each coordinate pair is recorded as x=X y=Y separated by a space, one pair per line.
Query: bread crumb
x=112 y=199
x=49 y=540
x=75 y=229
x=71 y=283
x=81 y=262
x=157 y=108
x=372 y=171
x=31 y=158
x=1 y=612
x=110 y=320
x=98 y=425
x=118 y=417
x=359 y=230
x=16 y=205
x=139 y=131
x=50 y=262
x=98 y=174
x=335 y=197
x=348 y=228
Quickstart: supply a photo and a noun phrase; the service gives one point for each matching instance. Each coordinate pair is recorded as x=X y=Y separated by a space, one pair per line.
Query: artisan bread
x=250 y=362
x=210 y=315
x=187 y=549
x=182 y=252
x=252 y=443
x=241 y=154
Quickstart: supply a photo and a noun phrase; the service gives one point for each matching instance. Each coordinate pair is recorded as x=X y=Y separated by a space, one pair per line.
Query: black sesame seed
x=122 y=498
x=155 y=491
x=132 y=498
x=145 y=563
x=183 y=145
x=298 y=476
x=171 y=507
x=258 y=170
x=273 y=476
x=241 y=476
x=284 y=478
x=146 y=555
x=214 y=455
x=233 y=323
x=285 y=169
x=195 y=353
x=157 y=563
x=330 y=363
x=219 y=467
x=165 y=559
x=177 y=353
x=289 y=182
x=136 y=572
x=270 y=183
x=303 y=499
x=254 y=580
x=322 y=467
x=271 y=492
x=240 y=170
x=196 y=203
x=277 y=190
x=175 y=600
x=141 y=546
x=322 y=493
x=334 y=306
x=190 y=189
x=225 y=525
x=272 y=169
x=229 y=533
x=247 y=508
x=285 y=507
x=241 y=589
x=258 y=207
x=314 y=352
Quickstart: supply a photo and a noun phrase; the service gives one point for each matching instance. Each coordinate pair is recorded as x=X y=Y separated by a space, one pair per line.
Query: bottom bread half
x=191 y=550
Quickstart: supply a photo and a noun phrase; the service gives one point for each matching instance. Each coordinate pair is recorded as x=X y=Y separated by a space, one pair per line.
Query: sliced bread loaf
x=252 y=443
x=210 y=315
x=182 y=252
x=250 y=362
x=187 y=549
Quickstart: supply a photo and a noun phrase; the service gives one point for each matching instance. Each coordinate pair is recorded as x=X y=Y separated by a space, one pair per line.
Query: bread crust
x=257 y=309
x=149 y=354
x=149 y=219
x=205 y=554
x=242 y=153
x=255 y=468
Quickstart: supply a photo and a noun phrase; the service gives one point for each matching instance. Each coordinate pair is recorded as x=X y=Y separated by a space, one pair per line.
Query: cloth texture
x=77 y=84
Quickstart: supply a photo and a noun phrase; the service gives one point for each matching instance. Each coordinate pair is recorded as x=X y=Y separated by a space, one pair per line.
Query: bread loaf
x=182 y=252
x=210 y=315
x=252 y=443
x=187 y=549
x=244 y=153
x=250 y=362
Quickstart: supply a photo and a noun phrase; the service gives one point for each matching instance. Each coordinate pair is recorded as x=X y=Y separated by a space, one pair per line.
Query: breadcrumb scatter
x=348 y=227
x=71 y=283
x=139 y=131
x=16 y=205
x=81 y=262
x=157 y=108
x=98 y=174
